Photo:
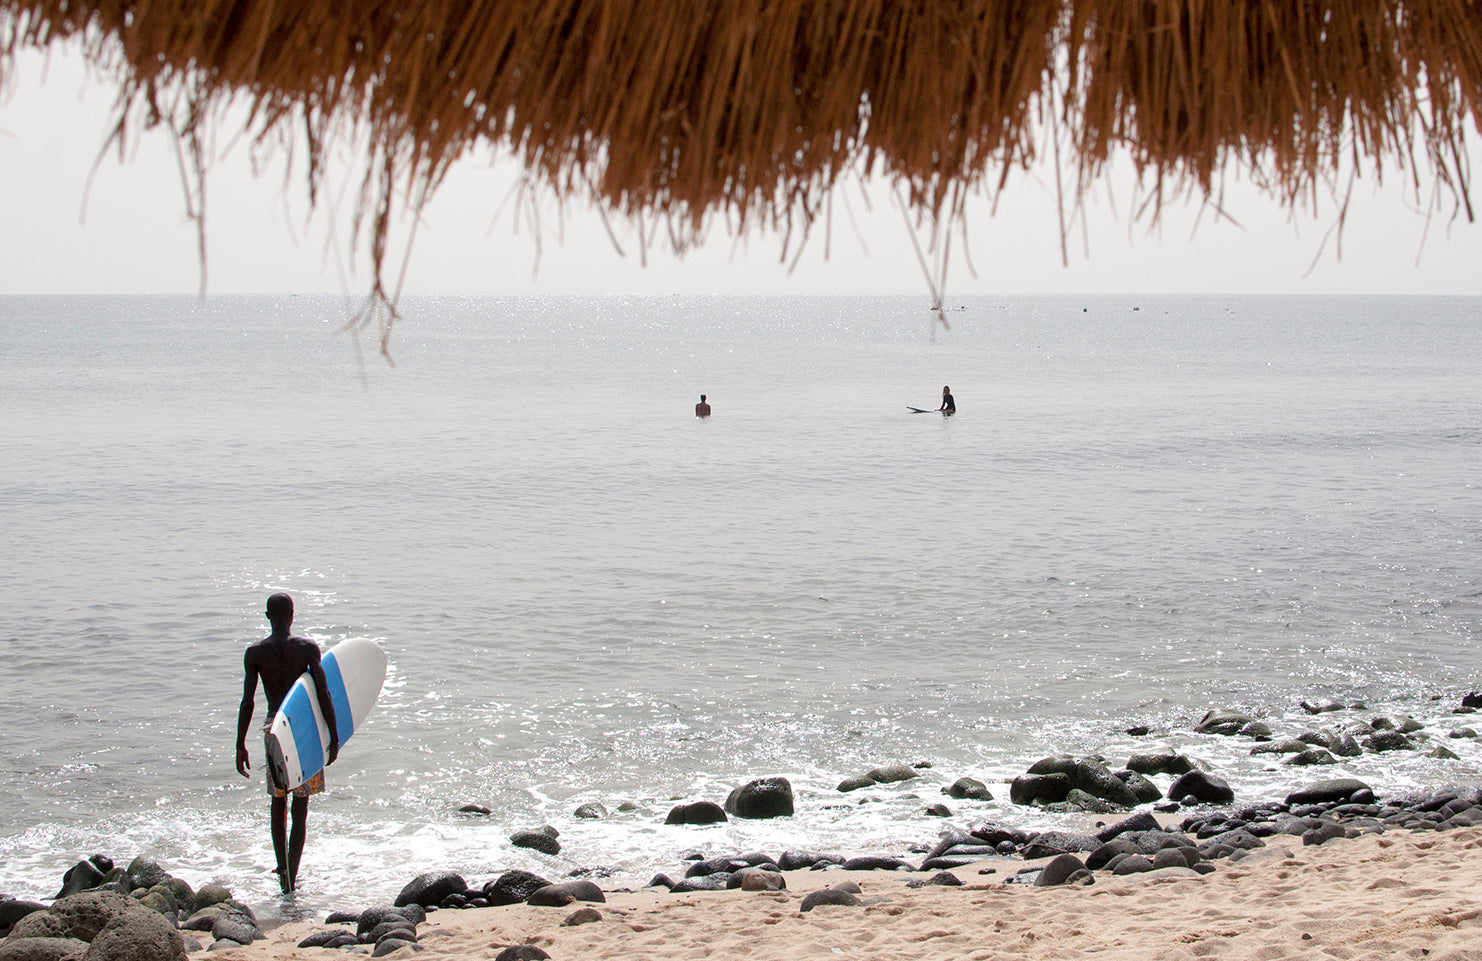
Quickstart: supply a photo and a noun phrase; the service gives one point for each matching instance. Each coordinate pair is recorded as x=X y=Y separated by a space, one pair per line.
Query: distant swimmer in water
x=949 y=406
x=702 y=409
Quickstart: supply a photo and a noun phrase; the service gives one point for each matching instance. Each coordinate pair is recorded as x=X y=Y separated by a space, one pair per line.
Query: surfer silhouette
x=702 y=409
x=280 y=659
x=949 y=406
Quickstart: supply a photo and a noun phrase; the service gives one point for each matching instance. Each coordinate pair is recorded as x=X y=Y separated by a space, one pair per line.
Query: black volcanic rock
x=769 y=797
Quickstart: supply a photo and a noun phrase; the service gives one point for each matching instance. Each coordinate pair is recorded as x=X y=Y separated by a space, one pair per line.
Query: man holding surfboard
x=279 y=660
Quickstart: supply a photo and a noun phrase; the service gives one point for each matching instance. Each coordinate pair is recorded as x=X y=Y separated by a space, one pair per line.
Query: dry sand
x=1397 y=895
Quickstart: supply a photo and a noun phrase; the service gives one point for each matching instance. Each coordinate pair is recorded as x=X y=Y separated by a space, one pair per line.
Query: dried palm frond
x=753 y=110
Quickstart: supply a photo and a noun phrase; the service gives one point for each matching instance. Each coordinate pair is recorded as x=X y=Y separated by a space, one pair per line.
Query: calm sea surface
x=1144 y=509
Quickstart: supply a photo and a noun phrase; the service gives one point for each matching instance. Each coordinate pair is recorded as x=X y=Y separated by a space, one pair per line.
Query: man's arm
x=326 y=704
x=244 y=713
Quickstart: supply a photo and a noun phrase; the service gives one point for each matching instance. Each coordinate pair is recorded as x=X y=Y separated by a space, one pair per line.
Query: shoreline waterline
x=629 y=844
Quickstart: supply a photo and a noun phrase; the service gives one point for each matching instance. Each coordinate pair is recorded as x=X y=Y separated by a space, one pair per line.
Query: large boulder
x=757 y=879
x=521 y=952
x=564 y=893
x=161 y=901
x=1333 y=791
x=12 y=911
x=877 y=862
x=145 y=873
x=41 y=924
x=332 y=938
x=1334 y=742
x=1311 y=757
x=114 y=927
x=1065 y=869
x=1040 y=788
x=513 y=887
x=801 y=860
x=80 y=915
x=1201 y=788
x=958 y=847
x=1142 y=821
x=401 y=929
x=725 y=865
x=42 y=949
x=1047 y=844
x=182 y=893
x=1079 y=802
x=236 y=928
x=1087 y=774
x=1109 y=851
x=700 y=812
x=1054 y=764
x=1388 y=741
x=768 y=797
x=1164 y=762
x=892 y=773
x=430 y=889
x=1290 y=745
x=1224 y=722
x=542 y=841
x=371 y=918
x=993 y=833
x=1098 y=781
x=886 y=774
x=82 y=876
x=710 y=882
x=834 y=896
x=1141 y=786
x=968 y=789
x=210 y=894
x=205 y=919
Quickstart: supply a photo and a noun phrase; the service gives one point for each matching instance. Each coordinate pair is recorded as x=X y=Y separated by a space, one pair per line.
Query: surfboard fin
x=277 y=764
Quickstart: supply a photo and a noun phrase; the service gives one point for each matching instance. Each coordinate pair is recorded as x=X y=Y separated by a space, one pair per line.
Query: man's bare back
x=279 y=661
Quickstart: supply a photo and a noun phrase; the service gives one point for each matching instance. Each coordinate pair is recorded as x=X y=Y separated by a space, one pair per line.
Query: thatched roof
x=751 y=111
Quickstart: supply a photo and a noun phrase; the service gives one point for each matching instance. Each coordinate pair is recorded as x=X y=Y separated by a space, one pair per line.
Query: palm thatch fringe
x=755 y=109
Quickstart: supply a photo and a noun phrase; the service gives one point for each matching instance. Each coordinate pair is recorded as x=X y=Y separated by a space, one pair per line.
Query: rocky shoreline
x=142 y=912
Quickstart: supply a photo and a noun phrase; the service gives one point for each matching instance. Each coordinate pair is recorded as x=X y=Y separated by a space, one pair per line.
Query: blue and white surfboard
x=298 y=738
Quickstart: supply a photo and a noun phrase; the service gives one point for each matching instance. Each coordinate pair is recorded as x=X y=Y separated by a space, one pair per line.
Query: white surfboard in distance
x=298 y=739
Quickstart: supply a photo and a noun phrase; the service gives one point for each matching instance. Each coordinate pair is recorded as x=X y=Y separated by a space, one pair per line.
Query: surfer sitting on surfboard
x=279 y=659
x=949 y=406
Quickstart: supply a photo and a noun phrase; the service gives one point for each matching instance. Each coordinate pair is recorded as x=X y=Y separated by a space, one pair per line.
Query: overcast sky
x=128 y=232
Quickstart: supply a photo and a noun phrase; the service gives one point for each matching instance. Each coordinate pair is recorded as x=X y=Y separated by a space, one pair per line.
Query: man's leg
x=296 y=838
x=278 y=821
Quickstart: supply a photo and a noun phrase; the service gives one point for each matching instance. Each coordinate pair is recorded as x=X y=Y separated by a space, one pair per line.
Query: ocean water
x=1145 y=508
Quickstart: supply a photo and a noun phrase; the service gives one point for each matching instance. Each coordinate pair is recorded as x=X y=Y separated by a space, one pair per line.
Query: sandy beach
x=1399 y=894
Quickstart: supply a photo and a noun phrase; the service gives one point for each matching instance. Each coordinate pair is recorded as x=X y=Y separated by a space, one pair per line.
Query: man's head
x=280 y=611
x=702 y=398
